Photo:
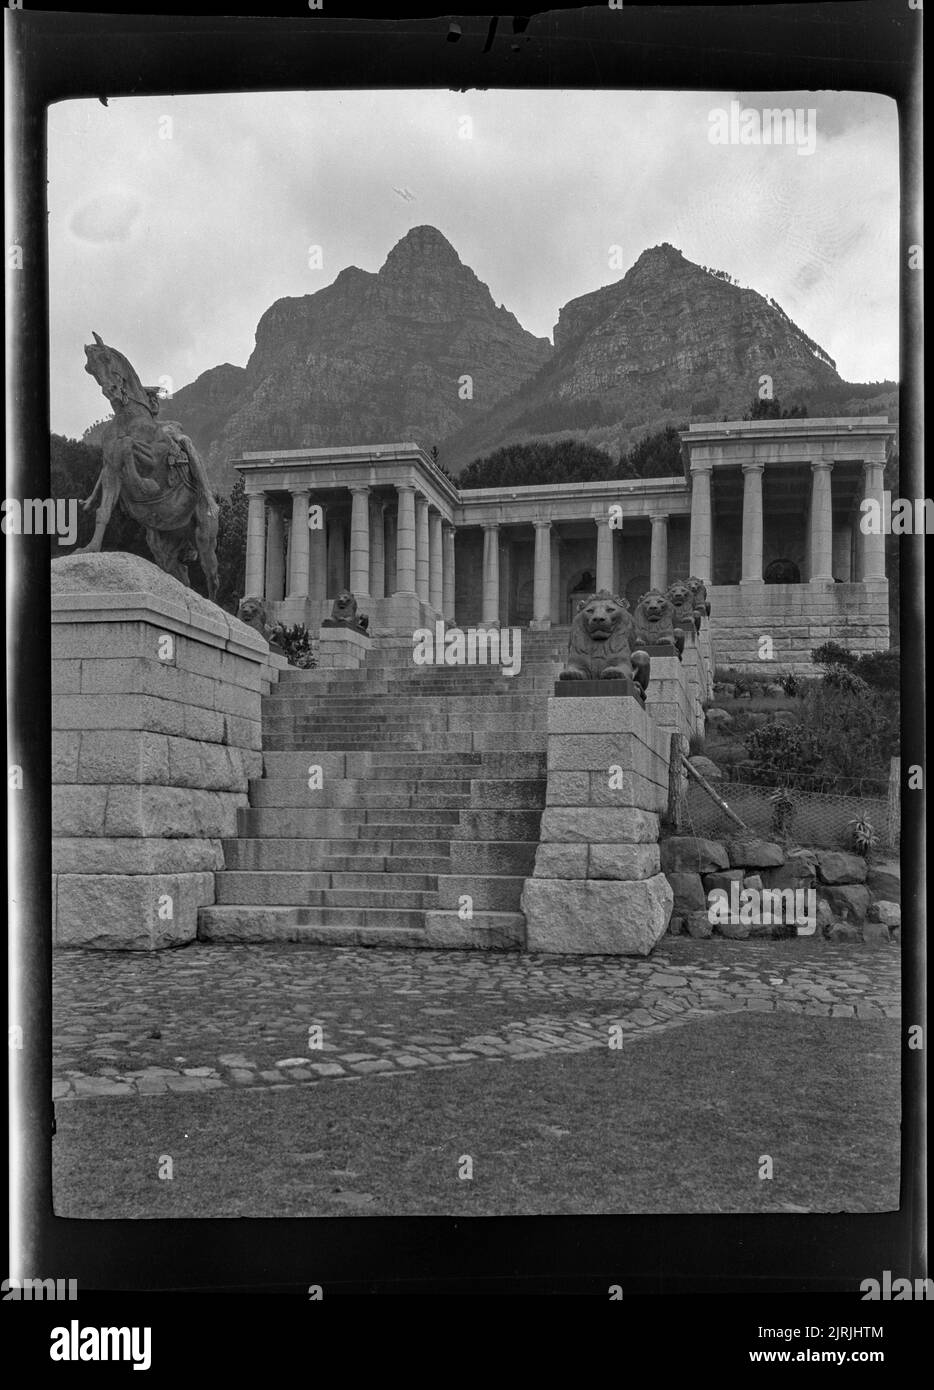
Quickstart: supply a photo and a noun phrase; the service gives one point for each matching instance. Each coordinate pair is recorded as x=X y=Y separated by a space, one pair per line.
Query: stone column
x=275 y=556
x=254 y=582
x=873 y=546
x=360 y=542
x=701 y=521
x=556 y=614
x=821 y=550
x=842 y=549
x=421 y=548
x=448 y=572
x=604 y=578
x=658 y=571
x=390 y=529
x=435 y=572
x=752 y=523
x=541 y=585
x=490 y=610
x=298 y=545
x=377 y=550
x=405 y=540
x=336 y=556
x=318 y=563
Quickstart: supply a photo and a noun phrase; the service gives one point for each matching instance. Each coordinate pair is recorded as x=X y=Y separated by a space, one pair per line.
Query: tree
x=74 y=466
x=231 y=547
x=771 y=409
x=523 y=465
x=655 y=455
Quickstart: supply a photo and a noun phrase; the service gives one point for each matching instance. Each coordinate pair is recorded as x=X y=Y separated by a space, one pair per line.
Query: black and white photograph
x=476 y=525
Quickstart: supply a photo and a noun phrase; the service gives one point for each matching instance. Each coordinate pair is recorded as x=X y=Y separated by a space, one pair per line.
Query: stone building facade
x=765 y=511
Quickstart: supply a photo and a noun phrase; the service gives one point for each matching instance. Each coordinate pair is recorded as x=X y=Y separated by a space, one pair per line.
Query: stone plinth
x=596 y=886
x=342 y=648
x=670 y=698
x=156 y=696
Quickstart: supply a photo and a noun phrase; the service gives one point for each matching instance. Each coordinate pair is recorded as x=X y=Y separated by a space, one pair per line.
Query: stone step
x=355 y=791
x=258 y=924
x=506 y=826
x=449 y=720
x=488 y=893
x=239 y=889
x=330 y=823
x=520 y=741
x=491 y=858
x=485 y=931
x=289 y=854
x=291 y=887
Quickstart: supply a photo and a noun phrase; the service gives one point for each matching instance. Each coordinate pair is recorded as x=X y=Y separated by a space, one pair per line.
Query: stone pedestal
x=596 y=887
x=342 y=648
x=156 y=697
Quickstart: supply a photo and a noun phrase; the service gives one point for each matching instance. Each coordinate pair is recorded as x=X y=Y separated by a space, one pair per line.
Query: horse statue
x=154 y=469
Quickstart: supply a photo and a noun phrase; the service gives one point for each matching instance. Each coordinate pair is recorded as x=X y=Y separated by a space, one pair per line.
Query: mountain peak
x=422 y=246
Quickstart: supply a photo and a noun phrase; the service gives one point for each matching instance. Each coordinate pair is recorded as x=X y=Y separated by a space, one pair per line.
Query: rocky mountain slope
x=379 y=357
x=369 y=359
x=670 y=342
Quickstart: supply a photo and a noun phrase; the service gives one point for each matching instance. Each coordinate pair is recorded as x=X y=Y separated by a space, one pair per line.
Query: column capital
x=821 y=463
x=300 y=491
x=404 y=487
x=754 y=467
x=490 y=525
x=447 y=525
x=356 y=488
x=657 y=518
x=702 y=466
x=542 y=525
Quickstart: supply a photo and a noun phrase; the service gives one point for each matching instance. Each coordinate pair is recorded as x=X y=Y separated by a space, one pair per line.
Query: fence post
x=893 y=822
x=676 y=787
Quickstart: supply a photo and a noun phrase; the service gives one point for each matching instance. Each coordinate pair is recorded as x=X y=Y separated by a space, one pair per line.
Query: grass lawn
x=675 y=1122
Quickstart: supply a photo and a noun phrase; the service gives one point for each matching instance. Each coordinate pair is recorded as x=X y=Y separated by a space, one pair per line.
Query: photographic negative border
x=54 y=56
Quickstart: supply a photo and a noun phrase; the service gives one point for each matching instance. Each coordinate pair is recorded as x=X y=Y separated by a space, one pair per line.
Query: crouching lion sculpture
x=653 y=623
x=599 y=647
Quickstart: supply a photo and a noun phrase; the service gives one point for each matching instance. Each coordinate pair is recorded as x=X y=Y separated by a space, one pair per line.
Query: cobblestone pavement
x=208 y=1016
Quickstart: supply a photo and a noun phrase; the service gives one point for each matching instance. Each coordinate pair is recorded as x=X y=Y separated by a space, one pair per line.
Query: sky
x=175 y=222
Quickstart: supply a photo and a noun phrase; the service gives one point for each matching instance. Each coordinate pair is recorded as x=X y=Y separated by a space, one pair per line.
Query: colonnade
x=820 y=534
x=403 y=549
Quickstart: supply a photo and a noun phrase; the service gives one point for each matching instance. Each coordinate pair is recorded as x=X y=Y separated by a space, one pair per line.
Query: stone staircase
x=400 y=805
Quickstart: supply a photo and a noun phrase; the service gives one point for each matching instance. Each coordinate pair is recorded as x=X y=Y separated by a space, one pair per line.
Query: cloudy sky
x=174 y=222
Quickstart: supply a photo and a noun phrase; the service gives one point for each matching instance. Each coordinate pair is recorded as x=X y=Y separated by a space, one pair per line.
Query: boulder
x=735 y=931
x=698 y=925
x=755 y=854
x=836 y=866
x=824 y=915
x=849 y=901
x=689 y=893
x=876 y=934
x=676 y=927
x=774 y=690
x=721 y=718
x=753 y=881
x=884 y=880
x=707 y=768
x=689 y=854
x=723 y=879
x=888 y=914
x=724 y=688
x=842 y=931
x=798 y=871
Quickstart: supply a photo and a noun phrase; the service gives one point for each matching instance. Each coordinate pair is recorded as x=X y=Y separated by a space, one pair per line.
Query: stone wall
x=798 y=617
x=155 y=732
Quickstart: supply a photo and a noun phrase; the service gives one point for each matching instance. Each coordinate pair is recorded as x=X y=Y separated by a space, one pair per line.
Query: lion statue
x=701 y=602
x=252 y=611
x=344 y=613
x=599 y=644
x=653 y=623
x=682 y=602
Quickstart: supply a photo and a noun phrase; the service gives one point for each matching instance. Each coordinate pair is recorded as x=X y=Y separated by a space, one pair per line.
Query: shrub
x=864 y=837
x=791 y=684
x=882 y=670
x=296 y=644
x=779 y=750
x=832 y=654
x=855 y=729
x=846 y=679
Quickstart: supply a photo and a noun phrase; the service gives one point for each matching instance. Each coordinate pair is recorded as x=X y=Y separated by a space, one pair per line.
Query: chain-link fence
x=822 y=819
